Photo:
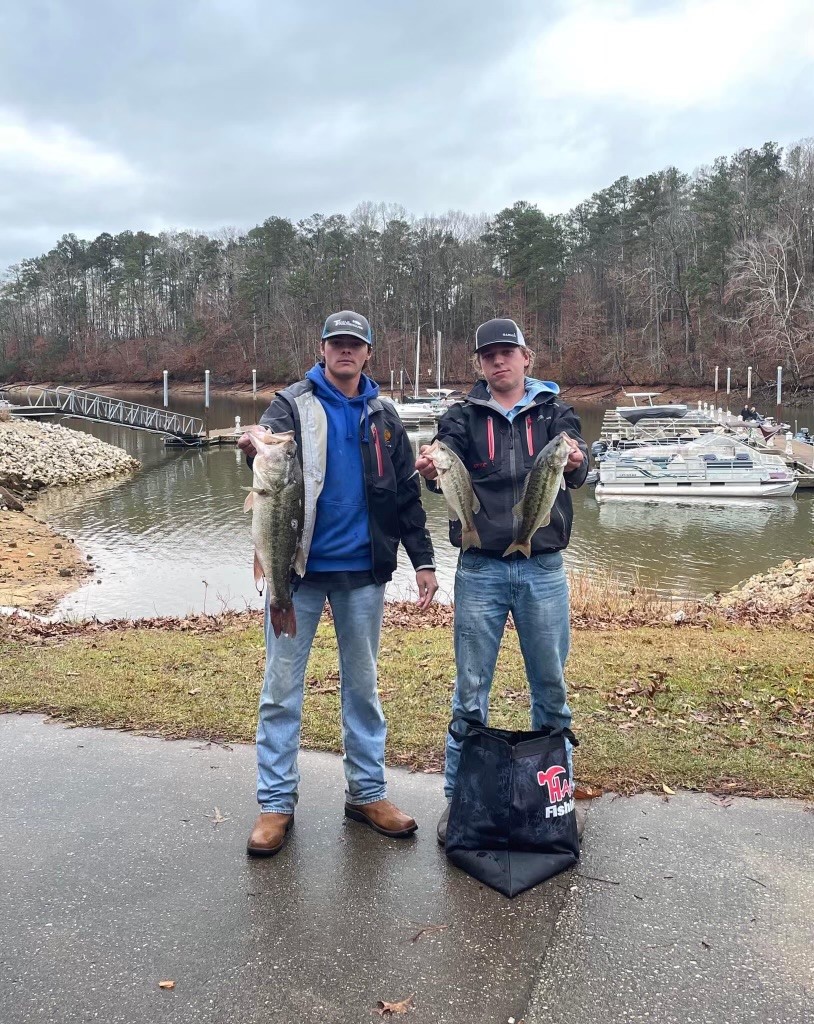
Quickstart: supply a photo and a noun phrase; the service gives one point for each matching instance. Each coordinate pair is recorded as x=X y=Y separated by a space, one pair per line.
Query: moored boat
x=710 y=468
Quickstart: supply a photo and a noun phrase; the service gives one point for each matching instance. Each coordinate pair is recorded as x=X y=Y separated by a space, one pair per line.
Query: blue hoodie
x=341 y=533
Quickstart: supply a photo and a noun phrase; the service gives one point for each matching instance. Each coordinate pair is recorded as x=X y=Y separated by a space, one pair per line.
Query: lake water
x=173 y=539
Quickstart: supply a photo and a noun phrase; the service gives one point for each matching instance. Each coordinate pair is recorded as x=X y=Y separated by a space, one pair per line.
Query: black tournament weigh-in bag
x=512 y=821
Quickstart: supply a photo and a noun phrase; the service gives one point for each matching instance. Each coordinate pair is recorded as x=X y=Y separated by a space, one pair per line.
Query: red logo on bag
x=558 y=789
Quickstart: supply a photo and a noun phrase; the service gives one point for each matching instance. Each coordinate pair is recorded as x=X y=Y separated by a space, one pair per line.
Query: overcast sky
x=211 y=113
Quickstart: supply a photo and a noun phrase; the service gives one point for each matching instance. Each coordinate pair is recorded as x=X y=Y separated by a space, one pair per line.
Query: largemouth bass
x=277 y=501
x=456 y=486
x=540 y=490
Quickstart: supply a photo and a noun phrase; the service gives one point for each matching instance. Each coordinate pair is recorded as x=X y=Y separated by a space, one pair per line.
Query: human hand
x=427 y=586
x=245 y=442
x=575 y=456
x=425 y=465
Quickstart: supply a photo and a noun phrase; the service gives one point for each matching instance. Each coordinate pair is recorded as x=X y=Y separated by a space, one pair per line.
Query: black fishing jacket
x=499 y=455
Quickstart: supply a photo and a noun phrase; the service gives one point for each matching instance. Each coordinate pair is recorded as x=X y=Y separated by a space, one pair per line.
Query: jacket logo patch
x=387 y=435
x=479 y=465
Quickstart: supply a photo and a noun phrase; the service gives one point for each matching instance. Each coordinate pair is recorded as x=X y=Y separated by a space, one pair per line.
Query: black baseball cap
x=498 y=332
x=347 y=322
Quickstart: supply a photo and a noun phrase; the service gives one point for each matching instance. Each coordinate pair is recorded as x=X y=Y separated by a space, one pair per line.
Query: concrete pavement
x=117 y=872
x=114 y=876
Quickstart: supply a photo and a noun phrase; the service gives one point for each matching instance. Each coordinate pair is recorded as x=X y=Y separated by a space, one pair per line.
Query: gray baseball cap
x=494 y=332
x=347 y=322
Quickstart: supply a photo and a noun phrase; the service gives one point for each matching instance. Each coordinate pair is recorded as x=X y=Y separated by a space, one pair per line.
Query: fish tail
x=517 y=546
x=283 y=620
x=470 y=539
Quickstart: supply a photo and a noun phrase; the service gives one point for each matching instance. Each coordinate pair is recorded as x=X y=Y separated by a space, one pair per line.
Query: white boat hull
x=703 y=489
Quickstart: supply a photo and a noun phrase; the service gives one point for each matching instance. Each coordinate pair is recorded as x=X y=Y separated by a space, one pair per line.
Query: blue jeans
x=358 y=621
x=535 y=591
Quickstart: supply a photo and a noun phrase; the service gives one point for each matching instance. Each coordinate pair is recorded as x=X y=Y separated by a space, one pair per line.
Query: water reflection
x=173 y=538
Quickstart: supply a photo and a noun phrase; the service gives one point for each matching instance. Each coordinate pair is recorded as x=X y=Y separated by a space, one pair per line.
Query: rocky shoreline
x=37 y=455
x=37 y=565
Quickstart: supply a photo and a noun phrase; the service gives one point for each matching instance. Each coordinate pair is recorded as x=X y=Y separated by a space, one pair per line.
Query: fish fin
x=452 y=514
x=248 y=504
x=470 y=539
x=562 y=485
x=517 y=510
x=258 y=569
x=299 y=561
x=283 y=620
x=517 y=546
x=475 y=503
x=544 y=522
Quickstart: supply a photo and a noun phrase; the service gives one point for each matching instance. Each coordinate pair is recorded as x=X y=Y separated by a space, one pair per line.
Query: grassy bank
x=717 y=707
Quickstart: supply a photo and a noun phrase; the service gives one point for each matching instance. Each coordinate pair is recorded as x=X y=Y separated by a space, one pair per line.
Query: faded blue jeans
x=358 y=621
x=535 y=591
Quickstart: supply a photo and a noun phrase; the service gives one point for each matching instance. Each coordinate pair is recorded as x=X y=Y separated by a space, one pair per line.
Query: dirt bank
x=37 y=565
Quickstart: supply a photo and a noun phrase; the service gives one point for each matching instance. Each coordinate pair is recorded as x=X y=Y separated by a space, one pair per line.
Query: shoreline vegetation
x=698 y=697
x=659 y=277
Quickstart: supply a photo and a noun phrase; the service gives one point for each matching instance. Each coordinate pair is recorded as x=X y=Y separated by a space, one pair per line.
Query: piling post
x=254 y=384
x=166 y=389
x=748 y=381
x=392 y=376
x=716 y=380
x=779 y=391
x=206 y=389
x=728 y=379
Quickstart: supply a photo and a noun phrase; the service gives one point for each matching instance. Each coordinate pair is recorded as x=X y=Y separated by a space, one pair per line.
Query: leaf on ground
x=667 y=790
x=194 y=691
x=217 y=818
x=166 y=984
x=429 y=929
x=383 y=1007
x=587 y=792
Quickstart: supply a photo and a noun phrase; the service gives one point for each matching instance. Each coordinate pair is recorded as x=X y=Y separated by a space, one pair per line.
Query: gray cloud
x=202 y=114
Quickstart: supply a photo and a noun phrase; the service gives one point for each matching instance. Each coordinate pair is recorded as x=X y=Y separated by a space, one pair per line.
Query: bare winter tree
x=767 y=284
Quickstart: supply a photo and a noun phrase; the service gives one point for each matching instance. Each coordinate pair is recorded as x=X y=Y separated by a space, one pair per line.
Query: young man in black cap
x=506 y=419
x=362 y=496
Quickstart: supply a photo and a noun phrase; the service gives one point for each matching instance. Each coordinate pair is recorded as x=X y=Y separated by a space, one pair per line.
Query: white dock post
x=779 y=390
x=254 y=383
x=728 y=379
x=716 y=380
x=748 y=381
x=166 y=389
x=206 y=389
x=392 y=378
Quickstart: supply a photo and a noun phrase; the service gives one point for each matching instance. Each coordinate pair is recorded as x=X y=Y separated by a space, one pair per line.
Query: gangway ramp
x=88 y=405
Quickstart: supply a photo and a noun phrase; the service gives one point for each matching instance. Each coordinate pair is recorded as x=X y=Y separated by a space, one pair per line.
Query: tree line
x=652 y=279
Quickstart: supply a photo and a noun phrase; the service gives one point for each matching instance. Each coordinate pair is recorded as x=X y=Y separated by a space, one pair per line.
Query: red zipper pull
x=529 y=439
x=378 y=447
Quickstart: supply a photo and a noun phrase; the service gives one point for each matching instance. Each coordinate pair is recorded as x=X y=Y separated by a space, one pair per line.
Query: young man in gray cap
x=506 y=419
x=362 y=496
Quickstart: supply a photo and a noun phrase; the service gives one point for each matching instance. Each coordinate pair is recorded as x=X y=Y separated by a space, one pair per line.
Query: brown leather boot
x=268 y=834
x=384 y=817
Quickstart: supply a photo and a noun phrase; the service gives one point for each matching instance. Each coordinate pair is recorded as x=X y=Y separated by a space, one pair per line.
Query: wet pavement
x=705 y=915
x=115 y=876
x=122 y=864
